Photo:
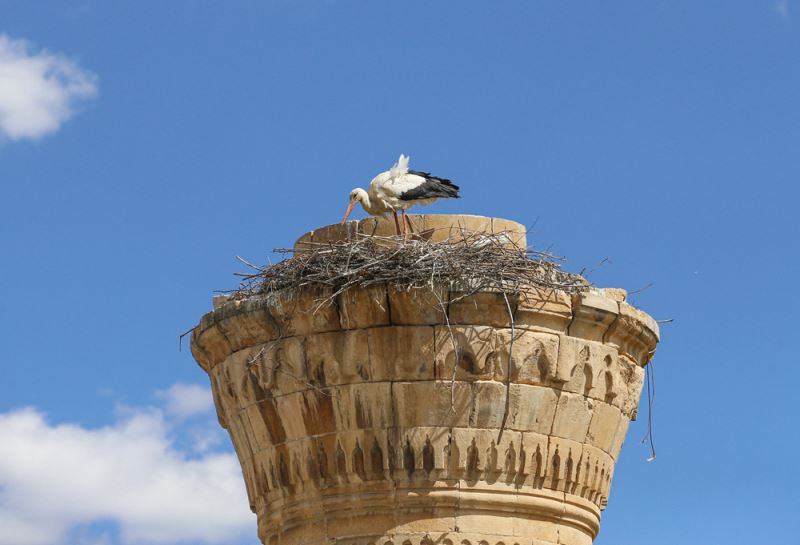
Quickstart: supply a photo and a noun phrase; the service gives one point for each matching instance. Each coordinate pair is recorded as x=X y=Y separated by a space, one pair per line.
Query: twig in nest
x=481 y=261
x=260 y=269
x=640 y=290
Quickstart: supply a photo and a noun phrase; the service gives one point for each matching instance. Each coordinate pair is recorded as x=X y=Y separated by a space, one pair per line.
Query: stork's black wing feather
x=433 y=188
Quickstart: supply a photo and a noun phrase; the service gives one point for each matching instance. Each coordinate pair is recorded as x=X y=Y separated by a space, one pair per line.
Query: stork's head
x=356 y=195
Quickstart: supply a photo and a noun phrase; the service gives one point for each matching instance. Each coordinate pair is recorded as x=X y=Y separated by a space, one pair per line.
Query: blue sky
x=145 y=144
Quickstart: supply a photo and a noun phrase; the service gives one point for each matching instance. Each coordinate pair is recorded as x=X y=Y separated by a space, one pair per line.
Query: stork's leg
x=407 y=225
x=396 y=221
x=403 y=221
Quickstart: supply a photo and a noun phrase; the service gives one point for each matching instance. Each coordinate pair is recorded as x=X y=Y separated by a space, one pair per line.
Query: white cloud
x=57 y=479
x=185 y=400
x=38 y=91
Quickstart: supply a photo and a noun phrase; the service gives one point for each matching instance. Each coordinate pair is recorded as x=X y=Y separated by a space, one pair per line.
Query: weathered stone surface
x=429 y=403
x=482 y=308
x=377 y=227
x=588 y=368
x=616 y=294
x=573 y=415
x=534 y=356
x=470 y=350
x=593 y=314
x=363 y=308
x=366 y=420
x=401 y=353
x=606 y=420
x=417 y=306
x=363 y=406
x=332 y=233
x=534 y=408
x=619 y=437
x=442 y=227
x=336 y=358
x=546 y=310
x=212 y=345
x=303 y=312
x=633 y=381
x=283 y=363
x=635 y=333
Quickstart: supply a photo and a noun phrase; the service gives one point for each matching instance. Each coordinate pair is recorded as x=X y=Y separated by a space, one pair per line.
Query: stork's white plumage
x=399 y=189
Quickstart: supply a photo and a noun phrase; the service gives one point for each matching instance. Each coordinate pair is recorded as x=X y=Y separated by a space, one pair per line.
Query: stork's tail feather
x=434 y=187
x=400 y=167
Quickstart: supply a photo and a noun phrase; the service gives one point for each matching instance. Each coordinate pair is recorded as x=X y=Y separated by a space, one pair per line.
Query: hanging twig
x=508 y=369
x=180 y=339
x=649 y=372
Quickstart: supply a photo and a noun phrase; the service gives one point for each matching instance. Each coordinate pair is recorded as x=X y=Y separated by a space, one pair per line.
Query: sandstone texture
x=377 y=419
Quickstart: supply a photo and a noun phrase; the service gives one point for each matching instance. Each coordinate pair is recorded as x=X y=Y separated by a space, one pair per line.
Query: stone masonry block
x=572 y=418
x=377 y=227
x=482 y=308
x=239 y=371
x=562 y=465
x=536 y=446
x=363 y=406
x=291 y=413
x=534 y=408
x=470 y=349
x=431 y=404
x=286 y=361
x=606 y=420
x=484 y=455
x=530 y=408
x=488 y=404
x=417 y=306
x=588 y=368
x=363 y=307
x=445 y=227
x=302 y=312
x=547 y=310
x=212 y=343
x=635 y=333
x=337 y=232
x=594 y=479
x=340 y=357
x=401 y=353
x=619 y=437
x=631 y=389
x=534 y=356
x=593 y=314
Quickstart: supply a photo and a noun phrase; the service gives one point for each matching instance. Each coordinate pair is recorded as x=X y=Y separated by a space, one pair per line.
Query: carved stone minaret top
x=349 y=427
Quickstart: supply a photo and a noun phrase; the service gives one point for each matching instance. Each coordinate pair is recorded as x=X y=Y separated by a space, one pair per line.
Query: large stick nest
x=467 y=264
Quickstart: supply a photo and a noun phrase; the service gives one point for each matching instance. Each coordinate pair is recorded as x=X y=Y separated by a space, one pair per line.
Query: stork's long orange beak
x=349 y=209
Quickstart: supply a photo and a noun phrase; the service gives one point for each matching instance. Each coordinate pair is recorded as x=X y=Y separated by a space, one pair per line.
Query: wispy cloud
x=39 y=91
x=782 y=8
x=185 y=400
x=58 y=478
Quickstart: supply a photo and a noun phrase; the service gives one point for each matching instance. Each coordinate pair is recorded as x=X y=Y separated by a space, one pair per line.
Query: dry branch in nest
x=464 y=265
x=470 y=263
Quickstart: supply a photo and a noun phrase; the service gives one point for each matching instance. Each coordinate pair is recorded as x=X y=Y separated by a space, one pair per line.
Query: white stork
x=399 y=189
